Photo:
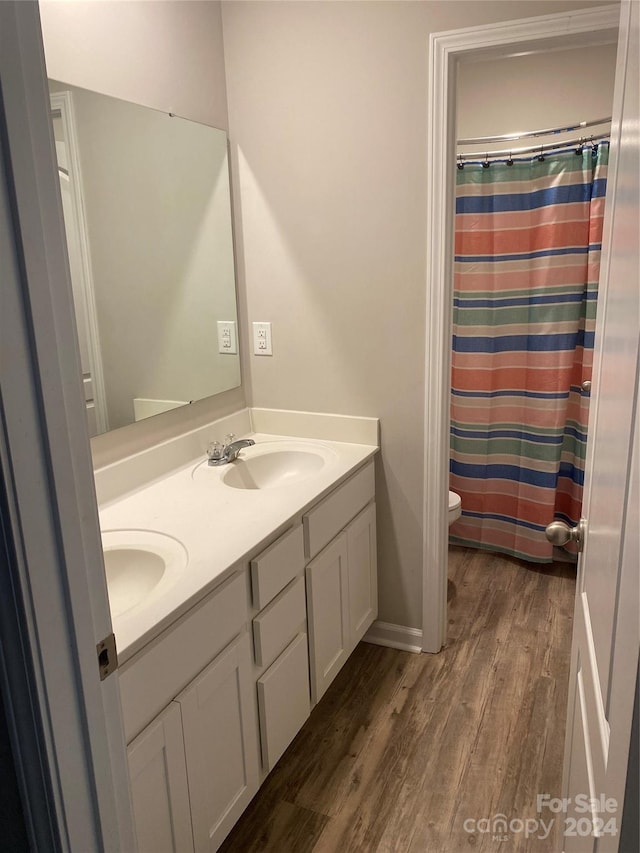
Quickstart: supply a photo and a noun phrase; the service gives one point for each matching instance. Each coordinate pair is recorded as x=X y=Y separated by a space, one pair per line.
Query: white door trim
x=589 y=26
x=46 y=461
x=63 y=101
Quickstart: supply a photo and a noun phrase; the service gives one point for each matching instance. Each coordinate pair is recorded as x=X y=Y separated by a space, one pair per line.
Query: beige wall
x=327 y=119
x=522 y=93
x=165 y=54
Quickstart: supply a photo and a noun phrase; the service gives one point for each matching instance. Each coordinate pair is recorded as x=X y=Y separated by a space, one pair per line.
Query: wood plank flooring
x=403 y=748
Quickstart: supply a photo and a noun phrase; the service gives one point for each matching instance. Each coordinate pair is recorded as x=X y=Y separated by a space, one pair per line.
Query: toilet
x=455 y=506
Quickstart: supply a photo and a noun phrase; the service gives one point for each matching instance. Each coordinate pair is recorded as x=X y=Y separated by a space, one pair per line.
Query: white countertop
x=218 y=526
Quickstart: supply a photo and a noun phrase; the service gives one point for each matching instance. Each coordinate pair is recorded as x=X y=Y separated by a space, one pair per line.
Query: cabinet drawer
x=327 y=519
x=279 y=622
x=275 y=567
x=151 y=680
x=283 y=700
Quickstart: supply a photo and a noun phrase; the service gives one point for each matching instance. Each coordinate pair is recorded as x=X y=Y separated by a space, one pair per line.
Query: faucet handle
x=229 y=438
x=214 y=451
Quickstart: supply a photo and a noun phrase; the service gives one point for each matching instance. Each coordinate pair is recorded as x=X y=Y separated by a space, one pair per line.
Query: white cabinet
x=195 y=768
x=159 y=787
x=219 y=725
x=214 y=701
x=151 y=679
x=342 y=585
x=327 y=518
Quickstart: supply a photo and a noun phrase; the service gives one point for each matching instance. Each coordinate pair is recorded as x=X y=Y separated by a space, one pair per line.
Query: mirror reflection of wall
x=147 y=209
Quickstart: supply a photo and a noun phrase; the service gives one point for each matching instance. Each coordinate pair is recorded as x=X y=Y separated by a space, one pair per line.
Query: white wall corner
x=394 y=637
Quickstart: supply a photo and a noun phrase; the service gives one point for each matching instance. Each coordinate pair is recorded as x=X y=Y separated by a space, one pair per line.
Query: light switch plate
x=227 y=339
x=262 y=339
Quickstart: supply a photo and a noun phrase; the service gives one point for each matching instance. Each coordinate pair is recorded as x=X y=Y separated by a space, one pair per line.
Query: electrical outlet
x=262 y=339
x=227 y=340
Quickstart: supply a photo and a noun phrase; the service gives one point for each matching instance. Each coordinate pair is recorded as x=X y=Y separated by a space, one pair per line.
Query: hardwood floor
x=404 y=748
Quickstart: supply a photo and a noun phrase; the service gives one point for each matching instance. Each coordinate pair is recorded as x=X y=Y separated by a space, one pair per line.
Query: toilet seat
x=455 y=506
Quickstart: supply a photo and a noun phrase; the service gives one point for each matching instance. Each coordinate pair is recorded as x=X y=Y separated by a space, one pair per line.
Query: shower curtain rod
x=508 y=137
x=488 y=156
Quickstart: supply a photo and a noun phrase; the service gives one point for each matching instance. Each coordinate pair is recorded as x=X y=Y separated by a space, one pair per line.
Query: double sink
x=140 y=563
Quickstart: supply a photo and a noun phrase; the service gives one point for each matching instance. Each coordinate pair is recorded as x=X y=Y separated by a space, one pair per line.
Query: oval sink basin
x=268 y=465
x=273 y=469
x=139 y=563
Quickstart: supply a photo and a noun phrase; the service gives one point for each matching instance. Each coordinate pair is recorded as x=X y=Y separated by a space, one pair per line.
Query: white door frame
x=583 y=27
x=58 y=589
x=85 y=291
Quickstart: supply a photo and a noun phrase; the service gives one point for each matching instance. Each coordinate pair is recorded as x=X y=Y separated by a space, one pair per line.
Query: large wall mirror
x=146 y=200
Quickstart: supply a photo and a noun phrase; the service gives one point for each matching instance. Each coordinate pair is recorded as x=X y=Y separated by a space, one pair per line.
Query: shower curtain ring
x=541 y=155
x=486 y=163
x=510 y=160
x=460 y=162
x=580 y=147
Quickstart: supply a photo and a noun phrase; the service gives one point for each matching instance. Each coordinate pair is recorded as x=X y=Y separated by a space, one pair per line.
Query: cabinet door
x=328 y=614
x=283 y=700
x=159 y=786
x=221 y=743
x=363 y=574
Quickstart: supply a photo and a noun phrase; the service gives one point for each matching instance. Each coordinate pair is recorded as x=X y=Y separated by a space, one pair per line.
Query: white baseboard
x=395 y=637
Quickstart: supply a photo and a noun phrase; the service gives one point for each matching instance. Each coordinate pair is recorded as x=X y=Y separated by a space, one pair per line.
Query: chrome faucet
x=221 y=454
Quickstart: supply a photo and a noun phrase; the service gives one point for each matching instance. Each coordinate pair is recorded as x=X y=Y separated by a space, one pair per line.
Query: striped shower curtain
x=527 y=257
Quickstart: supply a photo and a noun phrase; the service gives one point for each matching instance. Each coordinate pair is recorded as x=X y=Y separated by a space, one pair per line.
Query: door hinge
x=107 y=656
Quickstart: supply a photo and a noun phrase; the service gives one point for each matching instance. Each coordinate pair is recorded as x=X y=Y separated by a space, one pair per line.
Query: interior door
x=66 y=717
x=605 y=639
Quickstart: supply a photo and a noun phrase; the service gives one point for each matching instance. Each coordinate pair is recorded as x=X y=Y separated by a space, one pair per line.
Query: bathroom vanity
x=269 y=583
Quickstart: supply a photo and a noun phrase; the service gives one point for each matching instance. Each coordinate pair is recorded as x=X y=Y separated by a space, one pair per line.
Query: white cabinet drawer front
x=220 y=741
x=151 y=680
x=275 y=567
x=283 y=700
x=278 y=623
x=327 y=519
x=159 y=789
